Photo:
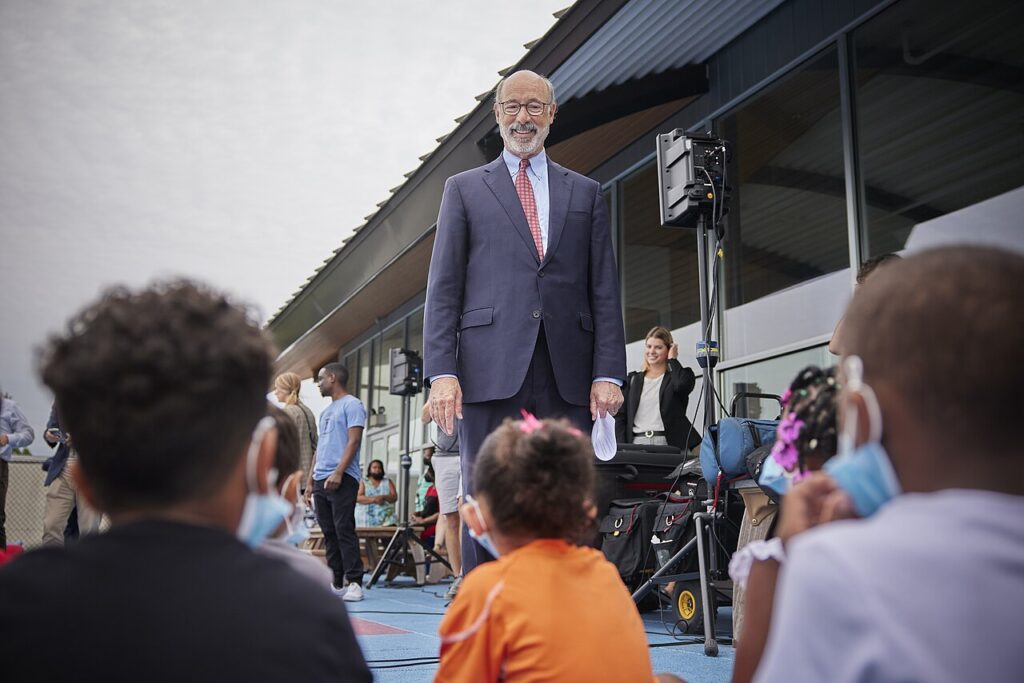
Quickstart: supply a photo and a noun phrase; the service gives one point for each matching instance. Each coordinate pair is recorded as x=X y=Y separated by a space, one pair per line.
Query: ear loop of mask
x=853 y=368
x=259 y=433
x=298 y=509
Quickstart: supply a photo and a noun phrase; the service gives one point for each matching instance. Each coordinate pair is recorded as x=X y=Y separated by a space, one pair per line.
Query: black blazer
x=676 y=386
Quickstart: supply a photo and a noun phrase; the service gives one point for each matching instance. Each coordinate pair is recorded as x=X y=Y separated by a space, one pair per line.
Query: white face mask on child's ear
x=484 y=537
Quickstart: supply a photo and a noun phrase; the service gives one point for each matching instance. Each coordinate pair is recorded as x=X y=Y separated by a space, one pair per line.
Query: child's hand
x=814 y=501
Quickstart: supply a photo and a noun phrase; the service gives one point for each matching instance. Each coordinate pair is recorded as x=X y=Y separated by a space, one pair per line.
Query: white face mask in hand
x=603 y=437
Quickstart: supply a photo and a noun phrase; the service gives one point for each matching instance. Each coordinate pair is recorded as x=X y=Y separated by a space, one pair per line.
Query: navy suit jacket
x=487 y=293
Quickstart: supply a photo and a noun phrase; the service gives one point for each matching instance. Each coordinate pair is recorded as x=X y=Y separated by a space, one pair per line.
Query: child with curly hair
x=547 y=609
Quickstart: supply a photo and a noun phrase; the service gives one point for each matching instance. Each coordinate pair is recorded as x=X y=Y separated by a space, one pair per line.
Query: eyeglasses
x=534 y=108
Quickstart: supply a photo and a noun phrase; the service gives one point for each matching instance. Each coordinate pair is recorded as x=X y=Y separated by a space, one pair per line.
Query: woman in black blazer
x=654 y=410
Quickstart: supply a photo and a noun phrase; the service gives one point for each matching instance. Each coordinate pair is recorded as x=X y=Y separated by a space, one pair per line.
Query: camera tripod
x=401 y=544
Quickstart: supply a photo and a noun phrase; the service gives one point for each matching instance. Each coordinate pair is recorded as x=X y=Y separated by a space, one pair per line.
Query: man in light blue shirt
x=334 y=480
x=15 y=432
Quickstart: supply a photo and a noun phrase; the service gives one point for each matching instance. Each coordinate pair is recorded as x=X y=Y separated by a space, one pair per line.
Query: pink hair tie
x=531 y=424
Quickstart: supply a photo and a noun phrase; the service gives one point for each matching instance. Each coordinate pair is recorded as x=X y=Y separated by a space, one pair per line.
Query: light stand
x=406 y=376
x=693 y=193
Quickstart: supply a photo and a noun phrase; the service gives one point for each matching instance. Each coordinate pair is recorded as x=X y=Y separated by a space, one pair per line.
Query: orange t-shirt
x=548 y=611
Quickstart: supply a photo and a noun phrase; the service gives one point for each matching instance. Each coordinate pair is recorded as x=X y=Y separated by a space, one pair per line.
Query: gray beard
x=528 y=149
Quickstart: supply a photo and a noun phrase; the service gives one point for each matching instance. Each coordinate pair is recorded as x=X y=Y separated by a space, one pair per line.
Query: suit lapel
x=497 y=177
x=559 y=192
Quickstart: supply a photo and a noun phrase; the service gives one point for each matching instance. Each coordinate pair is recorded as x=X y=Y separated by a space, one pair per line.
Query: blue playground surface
x=397 y=627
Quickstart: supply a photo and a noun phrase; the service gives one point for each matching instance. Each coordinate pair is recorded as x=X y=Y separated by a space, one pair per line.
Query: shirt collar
x=538 y=162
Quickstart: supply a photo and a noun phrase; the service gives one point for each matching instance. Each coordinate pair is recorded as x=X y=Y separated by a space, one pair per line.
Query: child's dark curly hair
x=537 y=483
x=812 y=398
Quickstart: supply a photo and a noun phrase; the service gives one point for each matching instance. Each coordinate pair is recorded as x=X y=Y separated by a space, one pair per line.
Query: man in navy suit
x=522 y=305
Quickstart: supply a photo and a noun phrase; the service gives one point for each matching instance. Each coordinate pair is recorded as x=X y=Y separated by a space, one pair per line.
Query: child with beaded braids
x=547 y=609
x=806 y=438
x=807 y=434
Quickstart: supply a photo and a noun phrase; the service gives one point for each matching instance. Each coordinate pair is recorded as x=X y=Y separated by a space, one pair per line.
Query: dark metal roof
x=651 y=36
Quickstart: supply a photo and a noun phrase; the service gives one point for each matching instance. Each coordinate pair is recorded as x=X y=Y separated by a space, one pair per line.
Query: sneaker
x=453 y=590
x=354 y=592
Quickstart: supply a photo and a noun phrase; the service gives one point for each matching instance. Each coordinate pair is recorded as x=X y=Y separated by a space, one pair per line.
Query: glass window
x=940 y=97
x=770 y=376
x=364 y=377
x=352 y=365
x=417 y=432
x=659 y=265
x=787 y=220
x=388 y=407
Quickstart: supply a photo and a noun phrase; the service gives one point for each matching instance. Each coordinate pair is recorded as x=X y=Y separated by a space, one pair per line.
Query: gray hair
x=501 y=84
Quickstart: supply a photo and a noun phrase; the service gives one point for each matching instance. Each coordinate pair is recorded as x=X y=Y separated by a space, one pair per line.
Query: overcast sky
x=236 y=141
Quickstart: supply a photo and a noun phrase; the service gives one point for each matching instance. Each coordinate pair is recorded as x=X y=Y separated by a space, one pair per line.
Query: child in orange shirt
x=547 y=610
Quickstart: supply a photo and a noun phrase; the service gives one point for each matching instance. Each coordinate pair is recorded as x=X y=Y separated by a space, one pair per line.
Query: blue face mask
x=296 y=530
x=263 y=512
x=484 y=537
x=774 y=476
x=864 y=472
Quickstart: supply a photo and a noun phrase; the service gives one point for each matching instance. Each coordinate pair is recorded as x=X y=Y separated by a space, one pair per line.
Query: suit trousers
x=539 y=395
x=61 y=498
x=336 y=514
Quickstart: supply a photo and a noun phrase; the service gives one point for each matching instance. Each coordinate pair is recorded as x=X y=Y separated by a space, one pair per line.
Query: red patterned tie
x=525 y=191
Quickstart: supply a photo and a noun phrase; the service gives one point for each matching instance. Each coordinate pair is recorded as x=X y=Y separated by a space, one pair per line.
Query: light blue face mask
x=484 y=537
x=774 y=476
x=296 y=530
x=864 y=472
x=263 y=512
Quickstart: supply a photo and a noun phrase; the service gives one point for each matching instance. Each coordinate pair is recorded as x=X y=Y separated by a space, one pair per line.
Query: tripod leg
x=430 y=551
x=647 y=585
x=385 y=559
x=710 y=644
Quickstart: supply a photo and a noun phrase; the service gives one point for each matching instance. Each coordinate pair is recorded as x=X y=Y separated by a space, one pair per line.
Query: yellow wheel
x=686 y=597
x=686 y=605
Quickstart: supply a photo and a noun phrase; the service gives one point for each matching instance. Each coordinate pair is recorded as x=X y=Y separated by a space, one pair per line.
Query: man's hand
x=446 y=403
x=605 y=398
x=308 y=495
x=814 y=501
x=4 y=440
x=333 y=481
x=51 y=437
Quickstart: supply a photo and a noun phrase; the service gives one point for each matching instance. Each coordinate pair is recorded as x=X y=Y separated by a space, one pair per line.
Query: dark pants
x=539 y=395
x=336 y=514
x=4 y=476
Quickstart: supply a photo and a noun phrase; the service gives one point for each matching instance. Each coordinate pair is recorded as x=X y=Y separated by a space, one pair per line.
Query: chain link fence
x=26 y=501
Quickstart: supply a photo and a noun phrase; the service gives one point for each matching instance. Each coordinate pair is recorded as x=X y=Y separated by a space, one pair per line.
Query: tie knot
x=523 y=163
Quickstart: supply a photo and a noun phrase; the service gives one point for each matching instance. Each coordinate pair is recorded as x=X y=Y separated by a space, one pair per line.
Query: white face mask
x=602 y=436
x=263 y=512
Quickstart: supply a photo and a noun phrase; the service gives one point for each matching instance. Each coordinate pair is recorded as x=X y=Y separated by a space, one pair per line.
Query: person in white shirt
x=926 y=585
x=654 y=407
